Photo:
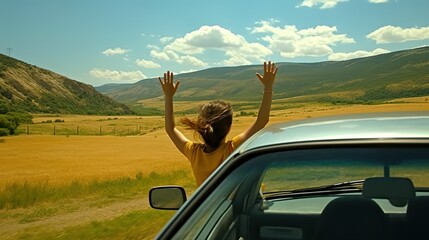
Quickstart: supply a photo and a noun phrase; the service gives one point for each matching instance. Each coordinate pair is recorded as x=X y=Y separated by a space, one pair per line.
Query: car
x=363 y=176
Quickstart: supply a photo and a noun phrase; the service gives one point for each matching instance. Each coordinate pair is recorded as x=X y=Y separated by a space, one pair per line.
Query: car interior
x=382 y=207
x=350 y=216
x=347 y=216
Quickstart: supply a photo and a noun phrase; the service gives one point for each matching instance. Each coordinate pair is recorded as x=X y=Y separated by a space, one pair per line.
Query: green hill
x=382 y=77
x=25 y=87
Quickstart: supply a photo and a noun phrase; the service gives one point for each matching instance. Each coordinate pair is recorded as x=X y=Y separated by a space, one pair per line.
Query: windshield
x=329 y=167
x=303 y=181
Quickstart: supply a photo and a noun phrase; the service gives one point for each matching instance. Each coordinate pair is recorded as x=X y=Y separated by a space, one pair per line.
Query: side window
x=204 y=219
x=217 y=216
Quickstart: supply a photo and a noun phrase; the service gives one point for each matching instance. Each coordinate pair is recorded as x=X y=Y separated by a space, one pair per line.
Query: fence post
x=28 y=129
x=54 y=129
x=77 y=130
x=100 y=130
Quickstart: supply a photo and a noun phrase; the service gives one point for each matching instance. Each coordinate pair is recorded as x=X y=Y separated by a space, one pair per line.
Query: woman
x=213 y=125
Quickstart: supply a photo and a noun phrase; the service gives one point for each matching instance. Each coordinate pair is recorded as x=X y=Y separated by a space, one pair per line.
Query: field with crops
x=89 y=178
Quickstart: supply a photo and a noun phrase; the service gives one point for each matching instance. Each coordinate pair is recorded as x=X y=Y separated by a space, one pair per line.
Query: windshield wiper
x=346 y=186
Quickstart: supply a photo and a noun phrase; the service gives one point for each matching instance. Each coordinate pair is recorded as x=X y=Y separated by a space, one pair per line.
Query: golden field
x=119 y=169
x=63 y=158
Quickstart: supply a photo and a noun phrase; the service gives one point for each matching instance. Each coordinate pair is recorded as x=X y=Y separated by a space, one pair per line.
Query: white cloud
x=235 y=58
x=291 y=42
x=164 y=55
x=190 y=60
x=246 y=53
x=116 y=51
x=356 y=54
x=170 y=55
x=147 y=63
x=378 y=1
x=165 y=40
x=392 y=34
x=151 y=46
x=188 y=71
x=159 y=55
x=117 y=75
x=324 y=4
x=216 y=38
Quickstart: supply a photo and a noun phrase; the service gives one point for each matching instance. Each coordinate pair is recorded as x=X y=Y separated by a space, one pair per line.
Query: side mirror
x=167 y=197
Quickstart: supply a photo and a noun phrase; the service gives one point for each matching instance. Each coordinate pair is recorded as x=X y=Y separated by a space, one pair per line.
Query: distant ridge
x=382 y=77
x=25 y=87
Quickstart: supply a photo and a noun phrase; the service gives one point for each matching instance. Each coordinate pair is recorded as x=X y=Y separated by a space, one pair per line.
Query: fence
x=60 y=129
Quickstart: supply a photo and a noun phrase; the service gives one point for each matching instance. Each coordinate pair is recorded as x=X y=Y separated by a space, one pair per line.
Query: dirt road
x=13 y=221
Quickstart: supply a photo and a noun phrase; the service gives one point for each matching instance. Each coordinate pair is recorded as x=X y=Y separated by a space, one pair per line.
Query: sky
x=124 y=41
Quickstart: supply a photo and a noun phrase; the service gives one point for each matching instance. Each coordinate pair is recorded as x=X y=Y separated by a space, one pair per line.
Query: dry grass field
x=116 y=163
x=61 y=159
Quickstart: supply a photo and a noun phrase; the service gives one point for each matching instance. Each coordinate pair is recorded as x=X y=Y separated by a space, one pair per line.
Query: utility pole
x=9 y=50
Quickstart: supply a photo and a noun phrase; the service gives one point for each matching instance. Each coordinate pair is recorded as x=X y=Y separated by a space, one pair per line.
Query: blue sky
x=106 y=41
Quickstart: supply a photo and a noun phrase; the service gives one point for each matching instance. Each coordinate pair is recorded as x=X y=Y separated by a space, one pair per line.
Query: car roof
x=397 y=125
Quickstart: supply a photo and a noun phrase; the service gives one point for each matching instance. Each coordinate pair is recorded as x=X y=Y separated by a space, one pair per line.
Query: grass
x=92 y=125
x=109 y=209
x=134 y=225
x=40 y=213
x=70 y=125
x=61 y=160
x=28 y=194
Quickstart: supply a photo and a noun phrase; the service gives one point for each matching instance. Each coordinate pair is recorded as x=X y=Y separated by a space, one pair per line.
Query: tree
x=10 y=122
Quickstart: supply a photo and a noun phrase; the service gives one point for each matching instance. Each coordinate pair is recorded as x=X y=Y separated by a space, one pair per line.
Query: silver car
x=352 y=177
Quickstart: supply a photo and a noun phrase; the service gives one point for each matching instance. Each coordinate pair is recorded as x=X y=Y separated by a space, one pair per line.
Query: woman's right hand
x=269 y=76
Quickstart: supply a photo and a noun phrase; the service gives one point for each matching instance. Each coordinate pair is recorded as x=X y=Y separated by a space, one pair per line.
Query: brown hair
x=213 y=122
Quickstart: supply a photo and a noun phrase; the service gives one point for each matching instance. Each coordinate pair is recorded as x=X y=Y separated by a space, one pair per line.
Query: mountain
x=25 y=87
x=382 y=77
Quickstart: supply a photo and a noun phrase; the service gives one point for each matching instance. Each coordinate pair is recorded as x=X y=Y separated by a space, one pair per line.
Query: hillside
x=25 y=87
x=383 y=77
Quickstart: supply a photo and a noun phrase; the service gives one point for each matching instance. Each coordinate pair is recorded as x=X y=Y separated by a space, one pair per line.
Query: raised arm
x=267 y=80
x=169 y=88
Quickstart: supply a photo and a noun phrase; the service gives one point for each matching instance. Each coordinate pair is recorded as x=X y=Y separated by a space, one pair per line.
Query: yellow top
x=203 y=164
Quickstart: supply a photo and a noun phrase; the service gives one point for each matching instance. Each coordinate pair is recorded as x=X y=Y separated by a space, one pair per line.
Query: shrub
x=244 y=114
x=19 y=117
x=12 y=120
x=4 y=108
x=6 y=125
x=4 y=132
